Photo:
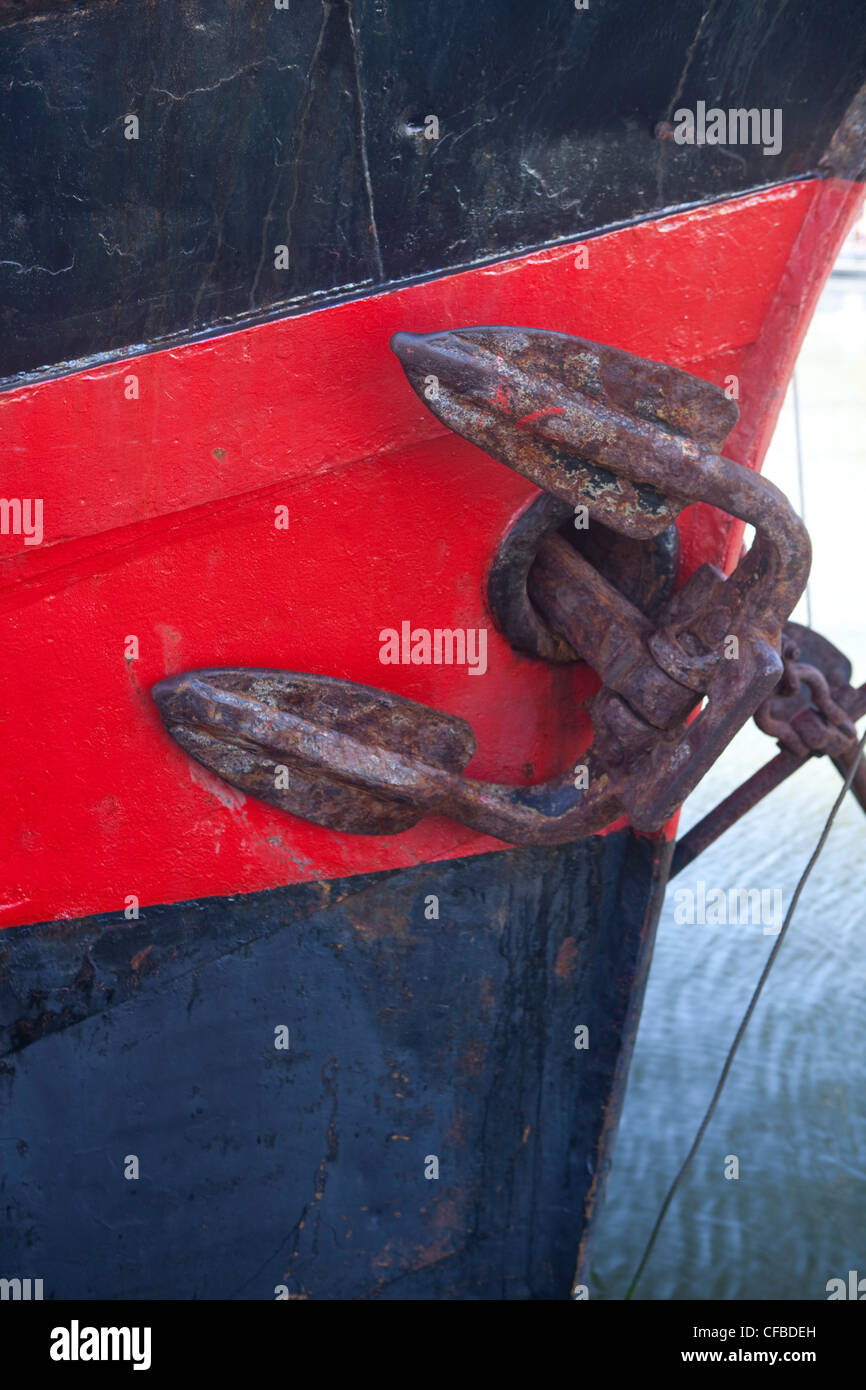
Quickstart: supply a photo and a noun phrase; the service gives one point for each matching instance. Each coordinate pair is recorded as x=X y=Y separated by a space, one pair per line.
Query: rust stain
x=456 y=1131
x=565 y=958
x=487 y=993
x=379 y=922
x=473 y=1059
x=446 y=1215
x=139 y=959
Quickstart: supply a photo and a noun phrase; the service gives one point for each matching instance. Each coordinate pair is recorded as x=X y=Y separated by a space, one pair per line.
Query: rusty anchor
x=634 y=442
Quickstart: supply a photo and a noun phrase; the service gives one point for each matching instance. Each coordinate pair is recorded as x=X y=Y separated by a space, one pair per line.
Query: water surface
x=794 y=1110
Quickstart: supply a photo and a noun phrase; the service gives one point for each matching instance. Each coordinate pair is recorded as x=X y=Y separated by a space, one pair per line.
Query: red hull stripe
x=159 y=498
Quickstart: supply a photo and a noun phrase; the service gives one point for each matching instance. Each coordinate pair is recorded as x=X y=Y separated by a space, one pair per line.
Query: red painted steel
x=159 y=523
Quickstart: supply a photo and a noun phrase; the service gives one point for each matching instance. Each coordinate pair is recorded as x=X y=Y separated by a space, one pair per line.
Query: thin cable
x=745 y=1020
x=802 y=482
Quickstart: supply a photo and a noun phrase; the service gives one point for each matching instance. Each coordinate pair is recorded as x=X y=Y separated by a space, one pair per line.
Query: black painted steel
x=308 y=128
x=410 y=1038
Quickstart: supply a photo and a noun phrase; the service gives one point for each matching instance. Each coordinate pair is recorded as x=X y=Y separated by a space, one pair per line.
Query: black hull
x=305 y=1168
x=305 y=127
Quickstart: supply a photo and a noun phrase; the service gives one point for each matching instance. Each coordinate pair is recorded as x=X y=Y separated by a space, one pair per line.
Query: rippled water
x=794 y=1110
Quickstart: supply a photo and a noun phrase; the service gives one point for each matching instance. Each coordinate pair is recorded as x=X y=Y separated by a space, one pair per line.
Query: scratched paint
x=305 y=127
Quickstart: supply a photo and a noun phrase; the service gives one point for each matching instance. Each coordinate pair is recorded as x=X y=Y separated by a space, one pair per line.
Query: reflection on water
x=794 y=1110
